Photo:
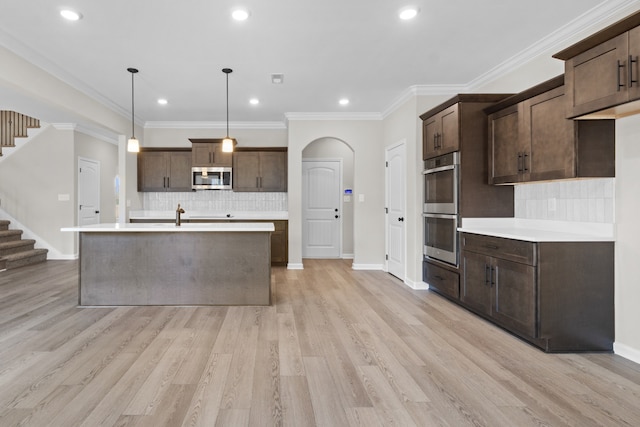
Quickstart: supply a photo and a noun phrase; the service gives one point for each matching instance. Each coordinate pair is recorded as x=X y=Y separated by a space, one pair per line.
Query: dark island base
x=169 y=268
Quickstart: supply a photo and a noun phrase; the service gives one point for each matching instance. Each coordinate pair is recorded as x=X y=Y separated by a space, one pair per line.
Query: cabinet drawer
x=509 y=249
x=441 y=280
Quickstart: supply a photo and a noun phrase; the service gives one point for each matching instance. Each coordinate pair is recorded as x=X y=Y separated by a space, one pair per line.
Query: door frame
x=340 y=201
x=387 y=149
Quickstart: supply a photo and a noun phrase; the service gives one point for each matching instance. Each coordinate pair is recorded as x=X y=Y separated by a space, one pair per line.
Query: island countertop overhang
x=170 y=227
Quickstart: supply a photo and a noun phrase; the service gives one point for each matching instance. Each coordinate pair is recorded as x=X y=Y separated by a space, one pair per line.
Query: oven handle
x=440 y=169
x=443 y=216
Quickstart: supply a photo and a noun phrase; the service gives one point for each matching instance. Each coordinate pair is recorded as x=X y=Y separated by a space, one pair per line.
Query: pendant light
x=227 y=142
x=133 y=146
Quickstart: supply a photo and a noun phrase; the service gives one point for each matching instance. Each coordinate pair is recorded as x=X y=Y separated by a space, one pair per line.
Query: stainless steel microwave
x=211 y=178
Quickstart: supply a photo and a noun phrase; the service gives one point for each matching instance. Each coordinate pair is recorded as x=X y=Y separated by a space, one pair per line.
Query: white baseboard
x=627 y=352
x=418 y=286
x=295 y=266
x=367 y=266
x=347 y=256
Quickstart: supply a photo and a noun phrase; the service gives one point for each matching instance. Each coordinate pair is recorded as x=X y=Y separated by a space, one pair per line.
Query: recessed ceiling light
x=408 y=13
x=162 y=101
x=277 y=78
x=240 y=14
x=254 y=101
x=70 y=15
x=344 y=101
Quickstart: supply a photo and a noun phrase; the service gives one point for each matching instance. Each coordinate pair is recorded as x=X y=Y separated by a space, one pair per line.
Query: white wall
x=31 y=180
x=179 y=137
x=365 y=138
x=627 y=288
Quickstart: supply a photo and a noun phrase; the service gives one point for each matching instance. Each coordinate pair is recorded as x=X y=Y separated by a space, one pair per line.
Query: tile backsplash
x=216 y=201
x=583 y=200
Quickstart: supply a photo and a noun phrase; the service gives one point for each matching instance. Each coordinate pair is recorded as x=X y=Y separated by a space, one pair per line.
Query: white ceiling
x=326 y=49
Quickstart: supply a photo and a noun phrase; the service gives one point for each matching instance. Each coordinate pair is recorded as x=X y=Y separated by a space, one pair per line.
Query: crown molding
x=333 y=116
x=102 y=135
x=214 y=125
x=589 y=22
x=423 y=90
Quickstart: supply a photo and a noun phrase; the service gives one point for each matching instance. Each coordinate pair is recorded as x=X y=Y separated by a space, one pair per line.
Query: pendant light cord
x=227 y=105
x=133 y=71
x=133 y=126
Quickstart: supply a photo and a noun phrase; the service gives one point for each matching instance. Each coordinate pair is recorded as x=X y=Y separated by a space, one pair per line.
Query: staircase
x=14 y=125
x=15 y=251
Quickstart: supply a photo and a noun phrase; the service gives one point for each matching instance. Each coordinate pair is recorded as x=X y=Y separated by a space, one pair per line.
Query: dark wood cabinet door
x=178 y=171
x=246 y=171
x=505 y=155
x=449 y=139
x=210 y=154
x=550 y=136
x=597 y=79
x=441 y=280
x=475 y=291
x=633 y=74
x=201 y=154
x=273 y=171
x=430 y=129
x=152 y=171
x=514 y=296
x=219 y=157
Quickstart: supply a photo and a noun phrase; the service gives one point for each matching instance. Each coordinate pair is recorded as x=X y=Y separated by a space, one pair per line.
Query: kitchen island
x=165 y=264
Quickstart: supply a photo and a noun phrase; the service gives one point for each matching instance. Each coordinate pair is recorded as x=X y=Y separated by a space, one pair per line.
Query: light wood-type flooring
x=337 y=348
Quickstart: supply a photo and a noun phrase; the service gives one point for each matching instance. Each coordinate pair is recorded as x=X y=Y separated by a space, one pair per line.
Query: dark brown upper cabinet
x=460 y=124
x=602 y=71
x=441 y=133
x=208 y=152
x=162 y=170
x=530 y=139
x=260 y=170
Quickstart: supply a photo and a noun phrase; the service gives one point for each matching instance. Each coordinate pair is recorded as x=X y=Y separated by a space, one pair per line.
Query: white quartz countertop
x=234 y=216
x=152 y=227
x=539 y=230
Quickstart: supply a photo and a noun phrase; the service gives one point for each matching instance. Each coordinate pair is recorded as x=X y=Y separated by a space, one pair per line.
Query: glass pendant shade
x=227 y=145
x=133 y=146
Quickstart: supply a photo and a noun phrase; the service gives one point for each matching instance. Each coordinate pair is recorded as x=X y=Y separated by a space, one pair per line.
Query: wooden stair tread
x=8 y=234
x=24 y=254
x=16 y=243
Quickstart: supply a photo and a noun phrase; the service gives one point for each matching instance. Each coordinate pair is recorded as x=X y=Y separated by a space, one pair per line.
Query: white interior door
x=321 y=208
x=88 y=191
x=395 y=195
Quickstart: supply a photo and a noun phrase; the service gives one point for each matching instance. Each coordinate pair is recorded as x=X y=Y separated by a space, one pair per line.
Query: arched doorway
x=327 y=202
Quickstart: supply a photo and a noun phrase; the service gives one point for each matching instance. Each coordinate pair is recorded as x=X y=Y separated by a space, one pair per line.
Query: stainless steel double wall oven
x=440 y=211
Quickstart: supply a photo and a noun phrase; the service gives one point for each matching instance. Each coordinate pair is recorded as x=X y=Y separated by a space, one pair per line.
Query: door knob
x=337 y=216
x=401 y=219
x=336 y=209
x=97 y=212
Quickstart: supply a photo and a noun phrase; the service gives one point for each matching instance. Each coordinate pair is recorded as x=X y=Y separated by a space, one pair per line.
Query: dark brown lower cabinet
x=501 y=289
x=556 y=295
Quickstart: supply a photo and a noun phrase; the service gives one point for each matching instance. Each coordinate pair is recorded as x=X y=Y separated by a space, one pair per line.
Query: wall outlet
x=361 y=197
x=63 y=197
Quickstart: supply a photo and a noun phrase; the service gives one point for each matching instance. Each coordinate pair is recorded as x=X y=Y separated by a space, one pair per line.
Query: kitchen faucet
x=178 y=212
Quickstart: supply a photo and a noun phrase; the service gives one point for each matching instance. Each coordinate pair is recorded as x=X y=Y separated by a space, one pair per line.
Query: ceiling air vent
x=277 y=79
